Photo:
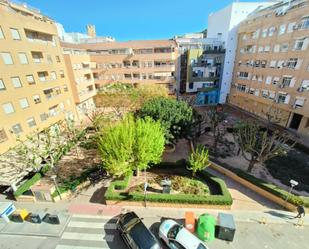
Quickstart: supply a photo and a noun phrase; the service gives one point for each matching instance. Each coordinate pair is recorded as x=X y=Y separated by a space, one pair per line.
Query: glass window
x=17 y=129
x=15 y=34
x=58 y=58
x=36 y=99
x=31 y=122
x=8 y=108
x=30 y=79
x=264 y=33
x=43 y=116
x=305 y=22
x=271 y=31
x=7 y=58
x=53 y=75
x=2 y=86
x=49 y=59
x=65 y=88
x=61 y=73
x=16 y=82
x=282 y=29
x=23 y=103
x=1 y=34
x=23 y=58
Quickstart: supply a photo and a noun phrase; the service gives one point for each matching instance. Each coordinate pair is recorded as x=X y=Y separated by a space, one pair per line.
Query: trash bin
x=190 y=221
x=51 y=219
x=166 y=186
x=206 y=227
x=19 y=215
x=35 y=218
x=226 y=227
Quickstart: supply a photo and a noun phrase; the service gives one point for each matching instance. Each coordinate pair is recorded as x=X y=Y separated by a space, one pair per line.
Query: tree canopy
x=174 y=116
x=131 y=145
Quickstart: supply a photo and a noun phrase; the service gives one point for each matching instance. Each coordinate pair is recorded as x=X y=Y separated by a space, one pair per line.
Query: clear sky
x=132 y=19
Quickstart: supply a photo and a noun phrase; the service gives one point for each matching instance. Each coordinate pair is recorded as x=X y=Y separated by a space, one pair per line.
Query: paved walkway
x=244 y=198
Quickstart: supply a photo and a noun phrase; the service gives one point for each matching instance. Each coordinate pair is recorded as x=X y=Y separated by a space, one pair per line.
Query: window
x=243 y=75
x=271 y=95
x=267 y=48
x=57 y=58
x=264 y=93
x=48 y=93
x=7 y=58
x=15 y=34
x=36 y=99
x=43 y=116
x=31 y=122
x=264 y=33
x=261 y=49
x=30 y=79
x=61 y=73
x=49 y=59
x=301 y=44
x=272 y=64
x=1 y=34
x=283 y=98
x=42 y=76
x=299 y=102
x=23 y=58
x=284 y=47
x=2 y=86
x=305 y=24
x=8 y=108
x=291 y=63
x=16 y=82
x=286 y=81
x=271 y=31
x=276 y=80
x=268 y=80
x=53 y=75
x=23 y=103
x=37 y=57
x=65 y=88
x=277 y=48
x=17 y=129
x=282 y=29
x=3 y=136
x=291 y=27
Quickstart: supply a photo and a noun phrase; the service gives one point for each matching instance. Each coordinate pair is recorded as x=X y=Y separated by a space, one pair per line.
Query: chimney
x=91 y=30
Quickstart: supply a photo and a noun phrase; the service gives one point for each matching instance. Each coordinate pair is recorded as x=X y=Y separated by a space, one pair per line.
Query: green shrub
x=223 y=198
x=26 y=186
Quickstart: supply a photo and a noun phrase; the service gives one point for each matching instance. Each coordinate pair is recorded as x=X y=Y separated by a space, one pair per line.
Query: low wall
x=69 y=193
x=253 y=187
x=25 y=198
x=170 y=205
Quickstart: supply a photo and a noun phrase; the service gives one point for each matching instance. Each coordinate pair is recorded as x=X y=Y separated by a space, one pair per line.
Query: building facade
x=79 y=68
x=135 y=62
x=271 y=74
x=34 y=87
x=223 y=25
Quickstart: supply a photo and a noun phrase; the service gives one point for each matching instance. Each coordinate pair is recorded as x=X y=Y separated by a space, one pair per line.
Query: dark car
x=135 y=233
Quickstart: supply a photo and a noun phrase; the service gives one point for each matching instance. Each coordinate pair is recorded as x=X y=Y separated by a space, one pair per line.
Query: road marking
x=92 y=225
x=87 y=236
x=77 y=247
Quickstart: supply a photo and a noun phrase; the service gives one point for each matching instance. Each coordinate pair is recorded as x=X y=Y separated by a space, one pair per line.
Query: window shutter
x=298 y=65
x=287 y=99
x=268 y=80
x=305 y=45
x=292 y=83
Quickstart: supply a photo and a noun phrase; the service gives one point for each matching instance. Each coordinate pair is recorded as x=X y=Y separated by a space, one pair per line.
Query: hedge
x=283 y=194
x=224 y=198
x=26 y=185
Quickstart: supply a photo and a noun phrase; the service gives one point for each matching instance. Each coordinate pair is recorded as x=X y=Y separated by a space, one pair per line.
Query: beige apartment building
x=271 y=72
x=136 y=62
x=34 y=85
x=79 y=68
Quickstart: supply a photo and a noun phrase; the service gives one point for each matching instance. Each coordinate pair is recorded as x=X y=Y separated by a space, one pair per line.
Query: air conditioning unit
x=300 y=89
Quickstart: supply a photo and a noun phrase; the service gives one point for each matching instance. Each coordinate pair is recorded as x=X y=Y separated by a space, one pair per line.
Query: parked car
x=135 y=234
x=176 y=236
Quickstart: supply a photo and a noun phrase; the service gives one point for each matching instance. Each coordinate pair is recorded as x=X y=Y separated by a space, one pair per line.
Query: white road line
x=93 y=216
x=84 y=224
x=87 y=236
x=77 y=247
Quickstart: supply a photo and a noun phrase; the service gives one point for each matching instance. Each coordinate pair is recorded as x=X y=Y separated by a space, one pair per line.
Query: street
x=93 y=231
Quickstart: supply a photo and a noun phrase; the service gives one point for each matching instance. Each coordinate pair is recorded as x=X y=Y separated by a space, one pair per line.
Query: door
x=295 y=122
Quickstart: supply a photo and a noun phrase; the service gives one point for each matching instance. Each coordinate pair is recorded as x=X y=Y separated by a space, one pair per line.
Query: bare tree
x=258 y=145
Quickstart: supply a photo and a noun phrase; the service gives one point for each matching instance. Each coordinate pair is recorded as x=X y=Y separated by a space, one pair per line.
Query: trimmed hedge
x=283 y=194
x=224 y=198
x=26 y=186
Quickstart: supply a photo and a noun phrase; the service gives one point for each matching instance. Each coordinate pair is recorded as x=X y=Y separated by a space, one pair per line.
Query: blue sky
x=132 y=19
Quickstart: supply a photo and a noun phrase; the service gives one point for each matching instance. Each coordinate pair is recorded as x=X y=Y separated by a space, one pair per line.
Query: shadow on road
x=279 y=215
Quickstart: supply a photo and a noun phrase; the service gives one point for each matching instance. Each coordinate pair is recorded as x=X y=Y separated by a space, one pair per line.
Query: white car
x=176 y=236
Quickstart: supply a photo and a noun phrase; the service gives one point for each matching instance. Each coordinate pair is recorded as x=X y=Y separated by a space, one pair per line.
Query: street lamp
x=53 y=177
x=293 y=184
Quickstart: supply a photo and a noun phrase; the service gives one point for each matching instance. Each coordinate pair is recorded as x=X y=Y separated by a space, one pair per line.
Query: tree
x=216 y=117
x=174 y=116
x=199 y=159
x=258 y=145
x=131 y=145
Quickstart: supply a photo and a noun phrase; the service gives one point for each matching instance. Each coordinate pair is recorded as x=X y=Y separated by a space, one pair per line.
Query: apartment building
x=79 y=68
x=34 y=87
x=271 y=73
x=223 y=25
x=135 y=62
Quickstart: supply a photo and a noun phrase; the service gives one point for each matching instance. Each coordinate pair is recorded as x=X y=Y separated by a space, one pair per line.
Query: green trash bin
x=206 y=227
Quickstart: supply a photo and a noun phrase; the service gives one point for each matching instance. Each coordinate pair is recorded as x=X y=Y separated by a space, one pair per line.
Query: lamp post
x=53 y=177
x=293 y=184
